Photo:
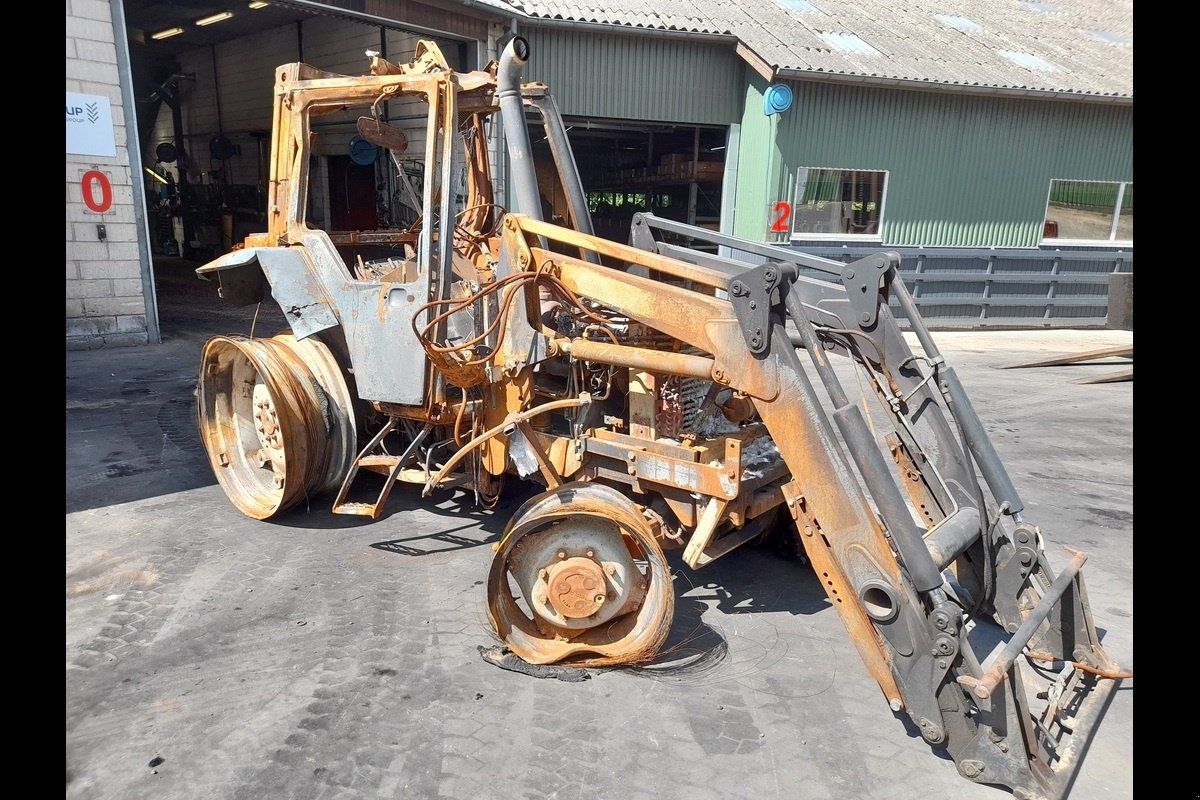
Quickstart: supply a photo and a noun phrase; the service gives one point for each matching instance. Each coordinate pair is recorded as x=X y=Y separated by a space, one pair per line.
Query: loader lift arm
x=910 y=577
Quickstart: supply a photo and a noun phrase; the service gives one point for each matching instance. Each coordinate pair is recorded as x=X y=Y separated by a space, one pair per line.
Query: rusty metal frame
x=801 y=431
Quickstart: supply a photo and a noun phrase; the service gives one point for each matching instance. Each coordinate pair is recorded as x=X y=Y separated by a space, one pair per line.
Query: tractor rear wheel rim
x=272 y=432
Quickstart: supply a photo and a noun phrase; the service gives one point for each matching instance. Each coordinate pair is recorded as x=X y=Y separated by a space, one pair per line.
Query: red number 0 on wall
x=783 y=210
x=88 y=184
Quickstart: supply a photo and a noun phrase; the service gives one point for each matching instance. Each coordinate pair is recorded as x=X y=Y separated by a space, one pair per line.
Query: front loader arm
x=910 y=572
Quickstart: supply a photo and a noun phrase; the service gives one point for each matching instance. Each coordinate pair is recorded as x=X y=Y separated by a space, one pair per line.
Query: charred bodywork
x=664 y=395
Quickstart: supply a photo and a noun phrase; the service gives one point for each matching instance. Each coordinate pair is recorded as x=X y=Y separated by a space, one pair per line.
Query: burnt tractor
x=684 y=390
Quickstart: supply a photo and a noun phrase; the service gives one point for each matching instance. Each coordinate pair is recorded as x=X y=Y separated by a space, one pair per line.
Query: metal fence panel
x=996 y=287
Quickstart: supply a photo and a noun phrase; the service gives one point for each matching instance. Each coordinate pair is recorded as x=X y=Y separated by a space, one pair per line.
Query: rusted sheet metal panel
x=854 y=551
x=702 y=478
x=681 y=473
x=661 y=448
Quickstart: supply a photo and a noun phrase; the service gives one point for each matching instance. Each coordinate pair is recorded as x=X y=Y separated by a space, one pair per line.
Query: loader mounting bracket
x=752 y=294
x=867 y=281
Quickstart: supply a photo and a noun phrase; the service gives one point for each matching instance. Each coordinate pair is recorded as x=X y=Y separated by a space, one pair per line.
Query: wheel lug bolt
x=561 y=555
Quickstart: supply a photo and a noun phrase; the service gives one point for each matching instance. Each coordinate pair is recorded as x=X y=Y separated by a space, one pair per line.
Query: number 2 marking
x=784 y=210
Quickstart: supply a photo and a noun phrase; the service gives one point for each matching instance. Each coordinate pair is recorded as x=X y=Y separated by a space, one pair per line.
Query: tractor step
x=388 y=461
x=362 y=509
x=376 y=461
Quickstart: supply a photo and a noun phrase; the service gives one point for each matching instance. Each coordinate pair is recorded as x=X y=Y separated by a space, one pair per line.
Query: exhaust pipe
x=516 y=134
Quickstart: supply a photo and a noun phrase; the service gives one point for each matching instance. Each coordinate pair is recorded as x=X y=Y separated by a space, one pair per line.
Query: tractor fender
x=243 y=277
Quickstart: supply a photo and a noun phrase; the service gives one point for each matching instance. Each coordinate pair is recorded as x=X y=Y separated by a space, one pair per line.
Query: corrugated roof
x=499 y=5
x=677 y=15
x=1089 y=43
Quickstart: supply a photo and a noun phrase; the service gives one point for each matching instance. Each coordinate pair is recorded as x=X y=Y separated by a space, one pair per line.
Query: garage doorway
x=672 y=171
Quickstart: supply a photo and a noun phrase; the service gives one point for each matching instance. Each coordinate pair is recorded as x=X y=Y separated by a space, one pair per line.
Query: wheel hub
x=580 y=576
x=276 y=419
x=266 y=419
x=577 y=587
x=564 y=569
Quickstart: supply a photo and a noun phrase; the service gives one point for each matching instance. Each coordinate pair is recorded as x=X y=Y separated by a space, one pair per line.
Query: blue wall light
x=777 y=99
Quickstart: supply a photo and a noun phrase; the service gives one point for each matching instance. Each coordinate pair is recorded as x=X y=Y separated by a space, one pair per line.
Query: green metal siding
x=962 y=170
x=637 y=77
x=758 y=156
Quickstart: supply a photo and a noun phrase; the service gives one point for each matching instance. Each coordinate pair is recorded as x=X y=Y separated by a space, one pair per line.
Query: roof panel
x=803 y=6
x=962 y=23
x=1086 y=43
x=848 y=43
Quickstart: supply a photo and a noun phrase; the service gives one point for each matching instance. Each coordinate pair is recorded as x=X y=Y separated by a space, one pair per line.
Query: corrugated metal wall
x=637 y=77
x=246 y=77
x=759 y=185
x=962 y=170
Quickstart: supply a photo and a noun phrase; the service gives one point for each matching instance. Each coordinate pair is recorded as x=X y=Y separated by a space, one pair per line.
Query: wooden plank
x=1090 y=355
x=1111 y=377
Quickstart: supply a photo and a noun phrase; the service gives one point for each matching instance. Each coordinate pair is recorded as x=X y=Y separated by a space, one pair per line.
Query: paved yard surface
x=209 y=655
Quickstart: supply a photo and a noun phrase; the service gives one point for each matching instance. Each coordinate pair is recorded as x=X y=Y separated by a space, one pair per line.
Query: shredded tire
x=504 y=658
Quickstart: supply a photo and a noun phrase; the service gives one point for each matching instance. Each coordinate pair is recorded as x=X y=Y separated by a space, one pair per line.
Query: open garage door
x=202 y=75
x=673 y=171
x=204 y=80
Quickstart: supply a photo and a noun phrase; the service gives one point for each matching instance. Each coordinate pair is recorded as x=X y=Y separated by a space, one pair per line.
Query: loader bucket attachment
x=918 y=535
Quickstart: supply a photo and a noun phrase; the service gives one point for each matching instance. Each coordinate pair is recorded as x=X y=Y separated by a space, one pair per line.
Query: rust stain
x=122 y=580
x=166 y=705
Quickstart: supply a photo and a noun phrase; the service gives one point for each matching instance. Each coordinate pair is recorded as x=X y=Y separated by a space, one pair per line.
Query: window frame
x=1112 y=239
x=877 y=236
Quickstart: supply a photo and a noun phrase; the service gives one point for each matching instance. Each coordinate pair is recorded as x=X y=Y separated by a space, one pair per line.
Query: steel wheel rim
x=634 y=636
x=272 y=433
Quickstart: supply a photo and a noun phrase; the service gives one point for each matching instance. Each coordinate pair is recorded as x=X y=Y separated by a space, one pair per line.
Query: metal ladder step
x=362 y=509
x=378 y=461
x=369 y=458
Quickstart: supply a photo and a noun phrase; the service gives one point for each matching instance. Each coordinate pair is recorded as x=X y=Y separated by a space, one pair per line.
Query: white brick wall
x=102 y=52
x=104 y=294
x=91 y=29
x=89 y=9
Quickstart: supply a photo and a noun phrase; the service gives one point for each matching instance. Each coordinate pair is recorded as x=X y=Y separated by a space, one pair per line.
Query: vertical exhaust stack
x=516 y=134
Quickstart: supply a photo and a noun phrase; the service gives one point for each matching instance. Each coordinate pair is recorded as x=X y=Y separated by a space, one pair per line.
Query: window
x=838 y=201
x=1089 y=210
